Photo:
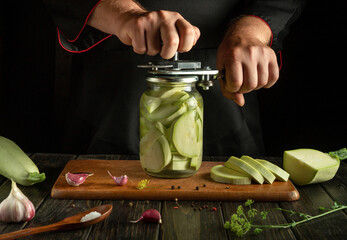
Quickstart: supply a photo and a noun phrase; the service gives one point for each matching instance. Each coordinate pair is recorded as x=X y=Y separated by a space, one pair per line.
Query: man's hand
x=147 y=32
x=248 y=61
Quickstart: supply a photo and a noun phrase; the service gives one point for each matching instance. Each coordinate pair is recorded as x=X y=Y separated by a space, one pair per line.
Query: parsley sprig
x=241 y=223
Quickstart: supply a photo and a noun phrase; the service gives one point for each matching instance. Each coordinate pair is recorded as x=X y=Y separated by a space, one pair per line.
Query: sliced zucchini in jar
x=148 y=140
x=179 y=165
x=162 y=112
x=173 y=116
x=176 y=97
x=184 y=135
x=157 y=157
x=146 y=126
x=192 y=103
x=165 y=93
x=150 y=103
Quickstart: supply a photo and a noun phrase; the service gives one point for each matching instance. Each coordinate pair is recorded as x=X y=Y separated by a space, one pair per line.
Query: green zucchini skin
x=15 y=164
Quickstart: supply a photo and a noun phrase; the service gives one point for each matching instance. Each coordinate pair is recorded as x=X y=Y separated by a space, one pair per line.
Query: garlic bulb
x=16 y=207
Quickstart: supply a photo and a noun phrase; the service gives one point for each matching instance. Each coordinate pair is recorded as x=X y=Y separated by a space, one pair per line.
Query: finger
x=238 y=98
x=170 y=38
x=197 y=35
x=273 y=74
x=263 y=75
x=153 y=42
x=233 y=76
x=186 y=35
x=250 y=77
x=138 y=41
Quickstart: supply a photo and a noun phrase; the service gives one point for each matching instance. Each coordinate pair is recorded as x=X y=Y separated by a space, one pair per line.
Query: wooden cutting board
x=102 y=186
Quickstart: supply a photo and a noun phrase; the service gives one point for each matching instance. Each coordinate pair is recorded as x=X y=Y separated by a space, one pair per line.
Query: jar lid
x=185 y=71
x=172 y=79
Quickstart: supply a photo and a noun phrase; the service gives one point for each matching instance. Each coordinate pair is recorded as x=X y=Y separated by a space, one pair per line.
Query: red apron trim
x=272 y=36
x=80 y=51
x=85 y=23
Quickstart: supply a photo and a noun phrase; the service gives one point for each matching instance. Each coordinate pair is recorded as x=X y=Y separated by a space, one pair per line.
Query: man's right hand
x=148 y=32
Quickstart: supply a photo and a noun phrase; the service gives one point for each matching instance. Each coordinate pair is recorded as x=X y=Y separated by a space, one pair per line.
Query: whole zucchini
x=16 y=165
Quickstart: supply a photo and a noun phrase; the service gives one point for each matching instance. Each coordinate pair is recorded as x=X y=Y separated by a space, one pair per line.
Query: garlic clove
x=120 y=181
x=76 y=179
x=16 y=207
x=150 y=215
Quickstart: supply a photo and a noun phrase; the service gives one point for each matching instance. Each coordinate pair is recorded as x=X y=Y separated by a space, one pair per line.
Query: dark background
x=306 y=108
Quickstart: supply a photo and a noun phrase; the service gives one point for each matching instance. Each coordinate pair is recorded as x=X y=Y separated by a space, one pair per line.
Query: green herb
x=240 y=222
x=144 y=184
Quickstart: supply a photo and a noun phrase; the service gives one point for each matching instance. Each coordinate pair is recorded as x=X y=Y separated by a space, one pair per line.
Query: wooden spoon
x=72 y=222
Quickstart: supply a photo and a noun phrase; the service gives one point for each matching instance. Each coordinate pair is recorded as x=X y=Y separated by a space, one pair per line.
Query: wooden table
x=182 y=222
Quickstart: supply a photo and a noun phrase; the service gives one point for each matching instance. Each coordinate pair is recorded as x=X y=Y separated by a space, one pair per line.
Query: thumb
x=237 y=97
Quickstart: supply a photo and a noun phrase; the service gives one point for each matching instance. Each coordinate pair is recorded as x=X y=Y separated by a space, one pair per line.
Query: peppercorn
x=172 y=187
x=204 y=185
x=179 y=187
x=197 y=187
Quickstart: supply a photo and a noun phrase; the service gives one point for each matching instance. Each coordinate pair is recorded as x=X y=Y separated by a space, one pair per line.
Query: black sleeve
x=70 y=17
x=278 y=14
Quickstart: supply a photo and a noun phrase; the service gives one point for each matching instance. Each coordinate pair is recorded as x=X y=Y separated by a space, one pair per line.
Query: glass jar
x=171 y=127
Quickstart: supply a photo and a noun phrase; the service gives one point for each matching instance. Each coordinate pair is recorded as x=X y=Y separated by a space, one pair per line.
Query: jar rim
x=172 y=79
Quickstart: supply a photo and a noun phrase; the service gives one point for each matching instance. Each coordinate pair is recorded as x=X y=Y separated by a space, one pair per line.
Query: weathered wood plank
x=186 y=223
x=54 y=210
x=51 y=165
x=117 y=225
x=273 y=217
x=328 y=227
x=336 y=187
x=183 y=222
